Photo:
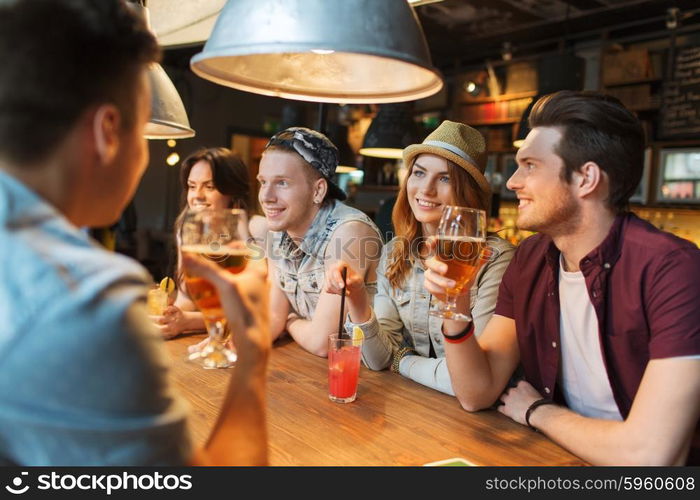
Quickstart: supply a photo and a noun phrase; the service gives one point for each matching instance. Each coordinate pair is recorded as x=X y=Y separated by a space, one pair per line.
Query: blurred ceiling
x=466 y=32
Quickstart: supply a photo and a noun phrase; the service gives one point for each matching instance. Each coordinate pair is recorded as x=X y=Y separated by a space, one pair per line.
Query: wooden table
x=394 y=421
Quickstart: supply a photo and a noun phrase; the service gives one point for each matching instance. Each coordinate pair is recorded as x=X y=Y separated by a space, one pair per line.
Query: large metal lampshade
x=168 y=116
x=343 y=51
x=185 y=24
x=391 y=130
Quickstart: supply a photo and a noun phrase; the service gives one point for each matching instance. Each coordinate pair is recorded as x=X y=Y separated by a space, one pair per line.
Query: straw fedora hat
x=458 y=143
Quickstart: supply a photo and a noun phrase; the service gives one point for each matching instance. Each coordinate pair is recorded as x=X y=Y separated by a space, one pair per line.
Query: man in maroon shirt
x=601 y=309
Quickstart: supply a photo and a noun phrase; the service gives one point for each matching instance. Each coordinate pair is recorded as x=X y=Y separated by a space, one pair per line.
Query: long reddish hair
x=465 y=193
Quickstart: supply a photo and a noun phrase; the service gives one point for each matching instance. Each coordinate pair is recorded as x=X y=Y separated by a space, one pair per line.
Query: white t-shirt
x=583 y=377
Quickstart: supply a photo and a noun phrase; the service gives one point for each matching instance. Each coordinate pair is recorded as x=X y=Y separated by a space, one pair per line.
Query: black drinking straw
x=342 y=305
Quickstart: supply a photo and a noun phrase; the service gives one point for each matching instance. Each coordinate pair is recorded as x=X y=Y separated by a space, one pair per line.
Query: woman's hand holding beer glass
x=457 y=253
x=358 y=302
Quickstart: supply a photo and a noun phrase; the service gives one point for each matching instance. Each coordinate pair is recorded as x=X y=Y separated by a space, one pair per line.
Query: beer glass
x=461 y=244
x=215 y=235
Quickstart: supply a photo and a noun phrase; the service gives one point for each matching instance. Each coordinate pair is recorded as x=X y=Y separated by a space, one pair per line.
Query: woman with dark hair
x=446 y=169
x=213 y=178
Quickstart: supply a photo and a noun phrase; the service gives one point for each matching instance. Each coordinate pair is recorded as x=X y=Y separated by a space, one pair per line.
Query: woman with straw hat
x=446 y=169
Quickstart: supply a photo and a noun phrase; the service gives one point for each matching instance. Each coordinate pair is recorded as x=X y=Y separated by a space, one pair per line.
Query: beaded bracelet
x=404 y=351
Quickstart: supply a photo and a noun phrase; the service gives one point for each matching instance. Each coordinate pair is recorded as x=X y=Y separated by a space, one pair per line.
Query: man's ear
x=588 y=178
x=320 y=190
x=105 y=126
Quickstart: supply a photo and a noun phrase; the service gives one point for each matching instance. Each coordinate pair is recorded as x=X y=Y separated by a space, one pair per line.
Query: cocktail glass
x=343 y=368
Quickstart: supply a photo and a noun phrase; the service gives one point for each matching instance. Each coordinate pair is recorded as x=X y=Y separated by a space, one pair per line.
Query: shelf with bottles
x=684 y=223
x=504 y=225
x=501 y=112
x=639 y=81
x=634 y=74
x=499 y=98
x=499 y=138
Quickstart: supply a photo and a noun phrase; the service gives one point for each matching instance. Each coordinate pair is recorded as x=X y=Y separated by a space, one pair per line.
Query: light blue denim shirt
x=400 y=317
x=300 y=266
x=84 y=375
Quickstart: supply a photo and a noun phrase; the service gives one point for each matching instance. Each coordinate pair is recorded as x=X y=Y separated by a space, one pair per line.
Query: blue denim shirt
x=84 y=378
x=400 y=317
x=300 y=266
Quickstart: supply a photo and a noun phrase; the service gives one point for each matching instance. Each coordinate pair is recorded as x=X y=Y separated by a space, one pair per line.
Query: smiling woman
x=214 y=178
x=446 y=169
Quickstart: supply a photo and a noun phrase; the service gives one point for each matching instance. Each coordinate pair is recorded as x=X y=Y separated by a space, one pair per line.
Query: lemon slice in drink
x=167 y=284
x=357 y=336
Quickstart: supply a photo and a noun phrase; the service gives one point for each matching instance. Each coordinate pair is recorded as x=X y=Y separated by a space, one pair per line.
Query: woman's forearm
x=194 y=321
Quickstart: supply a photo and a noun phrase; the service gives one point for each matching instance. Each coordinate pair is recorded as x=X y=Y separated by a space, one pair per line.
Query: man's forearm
x=312 y=339
x=598 y=441
x=239 y=436
x=279 y=312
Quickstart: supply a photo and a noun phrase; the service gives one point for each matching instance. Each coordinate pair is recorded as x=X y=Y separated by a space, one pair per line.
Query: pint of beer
x=213 y=234
x=201 y=291
x=462 y=255
x=461 y=244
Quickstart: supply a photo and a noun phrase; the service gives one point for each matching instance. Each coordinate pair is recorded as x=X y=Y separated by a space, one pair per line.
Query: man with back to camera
x=84 y=371
x=310 y=230
x=600 y=308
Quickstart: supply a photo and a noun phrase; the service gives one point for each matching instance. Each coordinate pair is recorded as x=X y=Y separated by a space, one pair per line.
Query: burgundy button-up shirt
x=644 y=285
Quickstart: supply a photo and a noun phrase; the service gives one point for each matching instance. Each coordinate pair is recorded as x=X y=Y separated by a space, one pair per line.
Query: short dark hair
x=595 y=127
x=229 y=174
x=58 y=59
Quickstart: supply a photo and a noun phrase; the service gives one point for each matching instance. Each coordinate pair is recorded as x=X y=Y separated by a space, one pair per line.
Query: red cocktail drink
x=343 y=368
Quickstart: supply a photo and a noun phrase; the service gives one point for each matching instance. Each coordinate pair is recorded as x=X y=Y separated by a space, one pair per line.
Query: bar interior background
x=510 y=51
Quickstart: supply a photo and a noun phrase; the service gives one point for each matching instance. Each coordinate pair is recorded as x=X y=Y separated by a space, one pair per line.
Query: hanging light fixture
x=391 y=130
x=354 y=51
x=417 y=3
x=168 y=116
x=191 y=23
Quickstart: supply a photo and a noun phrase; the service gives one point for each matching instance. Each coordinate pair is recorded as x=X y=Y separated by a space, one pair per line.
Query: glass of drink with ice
x=343 y=368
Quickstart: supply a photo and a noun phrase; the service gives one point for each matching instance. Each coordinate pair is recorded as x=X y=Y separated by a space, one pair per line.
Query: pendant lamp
x=185 y=24
x=391 y=130
x=168 y=116
x=343 y=51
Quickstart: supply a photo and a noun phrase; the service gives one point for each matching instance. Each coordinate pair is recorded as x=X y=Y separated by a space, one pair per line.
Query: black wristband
x=467 y=330
x=533 y=407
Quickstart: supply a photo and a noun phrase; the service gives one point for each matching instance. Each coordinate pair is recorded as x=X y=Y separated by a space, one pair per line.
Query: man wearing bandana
x=310 y=230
